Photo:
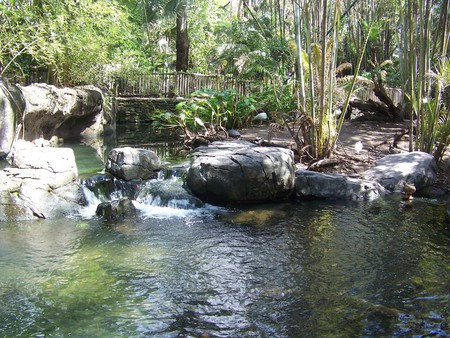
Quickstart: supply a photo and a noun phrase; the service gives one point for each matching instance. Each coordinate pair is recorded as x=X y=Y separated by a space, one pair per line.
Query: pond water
x=295 y=269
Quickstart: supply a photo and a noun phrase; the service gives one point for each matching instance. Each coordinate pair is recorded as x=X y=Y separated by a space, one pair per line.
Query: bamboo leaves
x=74 y=40
x=426 y=112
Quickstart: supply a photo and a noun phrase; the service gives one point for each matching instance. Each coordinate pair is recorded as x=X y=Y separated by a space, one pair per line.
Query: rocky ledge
x=41 y=110
x=242 y=172
x=41 y=183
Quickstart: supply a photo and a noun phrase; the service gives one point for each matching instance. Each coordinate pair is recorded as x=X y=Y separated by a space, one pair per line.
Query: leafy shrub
x=207 y=109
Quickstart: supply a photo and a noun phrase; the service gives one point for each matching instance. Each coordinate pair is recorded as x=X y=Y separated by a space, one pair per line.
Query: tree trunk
x=380 y=92
x=372 y=106
x=182 y=42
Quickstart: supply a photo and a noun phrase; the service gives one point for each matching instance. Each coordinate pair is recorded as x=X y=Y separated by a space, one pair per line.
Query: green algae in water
x=90 y=282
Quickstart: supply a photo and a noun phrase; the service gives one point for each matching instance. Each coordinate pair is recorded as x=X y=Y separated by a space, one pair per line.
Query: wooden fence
x=182 y=84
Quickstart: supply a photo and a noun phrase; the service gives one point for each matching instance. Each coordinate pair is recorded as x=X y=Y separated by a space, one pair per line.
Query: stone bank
x=140 y=109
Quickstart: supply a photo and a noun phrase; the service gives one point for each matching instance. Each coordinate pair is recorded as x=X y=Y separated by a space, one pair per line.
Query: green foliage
x=98 y=41
x=75 y=41
x=251 y=52
x=277 y=97
x=210 y=110
x=434 y=134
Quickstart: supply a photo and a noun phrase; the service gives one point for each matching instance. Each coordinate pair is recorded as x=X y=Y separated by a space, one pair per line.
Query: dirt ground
x=377 y=139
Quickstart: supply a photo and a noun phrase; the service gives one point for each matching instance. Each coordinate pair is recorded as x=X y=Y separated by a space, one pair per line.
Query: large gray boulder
x=311 y=184
x=132 y=163
x=64 y=112
x=104 y=122
x=57 y=111
x=392 y=171
x=241 y=172
x=44 y=111
x=11 y=110
x=41 y=183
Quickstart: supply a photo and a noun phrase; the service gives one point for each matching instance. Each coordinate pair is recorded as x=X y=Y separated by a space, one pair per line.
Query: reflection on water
x=165 y=143
x=295 y=269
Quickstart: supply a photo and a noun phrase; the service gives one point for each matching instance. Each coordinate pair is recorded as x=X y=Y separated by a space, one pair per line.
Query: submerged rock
x=241 y=172
x=107 y=186
x=132 y=163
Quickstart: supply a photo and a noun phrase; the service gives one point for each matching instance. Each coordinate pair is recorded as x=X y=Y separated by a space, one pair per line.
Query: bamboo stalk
x=298 y=40
x=347 y=100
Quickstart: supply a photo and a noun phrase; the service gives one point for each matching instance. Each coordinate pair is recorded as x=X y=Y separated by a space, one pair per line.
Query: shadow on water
x=298 y=269
x=165 y=143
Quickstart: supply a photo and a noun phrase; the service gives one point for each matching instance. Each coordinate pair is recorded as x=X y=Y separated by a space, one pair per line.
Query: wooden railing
x=182 y=84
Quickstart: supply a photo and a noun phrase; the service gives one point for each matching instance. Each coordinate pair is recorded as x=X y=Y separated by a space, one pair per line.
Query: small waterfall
x=167 y=193
x=167 y=198
x=164 y=196
x=91 y=202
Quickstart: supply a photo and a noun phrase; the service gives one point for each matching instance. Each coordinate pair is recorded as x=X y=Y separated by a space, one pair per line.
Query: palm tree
x=155 y=9
x=182 y=43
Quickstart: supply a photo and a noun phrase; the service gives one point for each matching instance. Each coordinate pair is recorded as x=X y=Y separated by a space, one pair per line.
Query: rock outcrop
x=132 y=163
x=39 y=184
x=43 y=111
x=241 y=172
x=392 y=171
x=311 y=184
x=391 y=174
x=64 y=112
x=12 y=106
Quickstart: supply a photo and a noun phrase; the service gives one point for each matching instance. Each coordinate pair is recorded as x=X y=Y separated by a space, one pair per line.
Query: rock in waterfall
x=132 y=163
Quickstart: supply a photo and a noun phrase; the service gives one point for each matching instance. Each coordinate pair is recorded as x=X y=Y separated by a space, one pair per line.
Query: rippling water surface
x=308 y=269
x=303 y=269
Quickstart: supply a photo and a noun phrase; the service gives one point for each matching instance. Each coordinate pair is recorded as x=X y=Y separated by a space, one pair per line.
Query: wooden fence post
x=169 y=84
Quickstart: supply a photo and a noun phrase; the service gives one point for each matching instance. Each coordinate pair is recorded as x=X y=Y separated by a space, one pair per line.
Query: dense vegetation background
x=306 y=50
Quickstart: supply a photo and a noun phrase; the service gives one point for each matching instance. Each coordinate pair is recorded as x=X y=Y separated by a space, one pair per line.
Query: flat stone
x=54 y=160
x=311 y=184
x=41 y=184
x=392 y=171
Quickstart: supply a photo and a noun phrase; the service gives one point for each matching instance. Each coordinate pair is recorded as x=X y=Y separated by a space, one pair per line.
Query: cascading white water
x=92 y=201
x=160 y=198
